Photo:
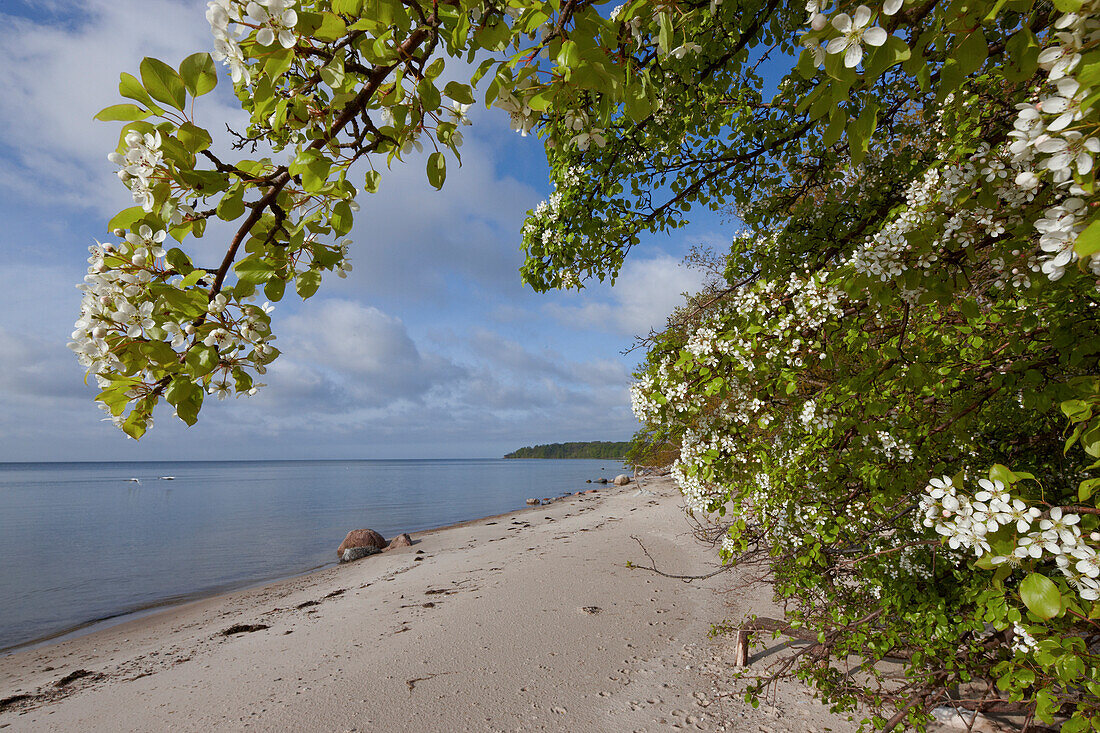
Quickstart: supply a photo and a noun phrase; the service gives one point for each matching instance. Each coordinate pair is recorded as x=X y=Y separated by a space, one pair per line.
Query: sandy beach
x=527 y=621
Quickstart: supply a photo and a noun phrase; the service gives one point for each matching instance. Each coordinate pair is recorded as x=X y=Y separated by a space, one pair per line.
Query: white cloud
x=346 y=356
x=57 y=76
x=32 y=368
x=353 y=380
x=644 y=295
x=410 y=238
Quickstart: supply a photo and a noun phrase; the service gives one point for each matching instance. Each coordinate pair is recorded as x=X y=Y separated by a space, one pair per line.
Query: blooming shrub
x=891 y=398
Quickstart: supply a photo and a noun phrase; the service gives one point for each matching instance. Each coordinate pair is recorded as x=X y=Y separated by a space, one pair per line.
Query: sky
x=431 y=348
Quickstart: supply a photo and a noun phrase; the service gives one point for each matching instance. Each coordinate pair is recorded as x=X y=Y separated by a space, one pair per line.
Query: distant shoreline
x=511 y=457
x=594 y=450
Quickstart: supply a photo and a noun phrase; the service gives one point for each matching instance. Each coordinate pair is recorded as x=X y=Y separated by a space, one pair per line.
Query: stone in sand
x=622 y=480
x=361 y=538
x=533 y=502
x=354 y=553
x=401 y=540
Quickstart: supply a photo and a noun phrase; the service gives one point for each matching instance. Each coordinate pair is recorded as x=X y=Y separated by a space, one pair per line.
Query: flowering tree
x=893 y=398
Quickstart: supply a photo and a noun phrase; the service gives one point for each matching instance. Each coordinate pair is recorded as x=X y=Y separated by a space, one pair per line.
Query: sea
x=86 y=544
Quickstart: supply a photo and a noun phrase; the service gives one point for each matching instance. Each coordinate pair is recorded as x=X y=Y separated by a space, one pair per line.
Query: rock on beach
x=401 y=540
x=354 y=553
x=622 y=480
x=365 y=540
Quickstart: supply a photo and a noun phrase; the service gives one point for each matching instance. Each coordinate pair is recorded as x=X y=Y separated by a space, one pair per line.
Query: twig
x=686 y=578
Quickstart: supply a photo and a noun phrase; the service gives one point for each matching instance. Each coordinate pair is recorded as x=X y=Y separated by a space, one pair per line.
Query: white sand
x=488 y=631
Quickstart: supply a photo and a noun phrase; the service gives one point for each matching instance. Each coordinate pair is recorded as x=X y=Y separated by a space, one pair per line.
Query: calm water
x=79 y=542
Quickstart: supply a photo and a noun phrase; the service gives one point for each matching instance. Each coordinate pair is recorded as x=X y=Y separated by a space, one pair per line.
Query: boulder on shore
x=601 y=481
x=622 y=480
x=354 y=553
x=401 y=540
x=534 y=502
x=361 y=538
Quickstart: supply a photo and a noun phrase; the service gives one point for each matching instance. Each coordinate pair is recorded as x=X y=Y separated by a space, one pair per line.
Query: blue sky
x=431 y=348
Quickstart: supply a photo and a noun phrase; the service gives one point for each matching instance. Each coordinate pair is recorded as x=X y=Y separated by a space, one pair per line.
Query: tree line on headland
x=592 y=449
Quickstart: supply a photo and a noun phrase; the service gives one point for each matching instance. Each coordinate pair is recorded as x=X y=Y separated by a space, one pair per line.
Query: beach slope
x=526 y=621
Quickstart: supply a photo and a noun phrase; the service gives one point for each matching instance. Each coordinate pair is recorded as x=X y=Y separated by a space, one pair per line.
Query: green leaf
x=347 y=7
x=313 y=168
x=278 y=62
x=125 y=218
x=274 y=289
x=429 y=95
x=886 y=56
x=437 y=170
x=665 y=36
x=459 y=92
x=122 y=113
x=805 y=67
x=950 y=78
x=199 y=74
x=162 y=82
x=134 y=426
x=231 y=205
x=342 y=217
x=1023 y=55
x=332 y=28
x=371 y=182
x=192 y=277
x=836 y=127
x=1088 y=74
x=193 y=137
x=860 y=131
x=254 y=270
x=1068 y=6
x=1087 y=489
x=1076 y=410
x=972 y=52
x=186 y=397
x=131 y=88
x=637 y=104
x=201 y=360
x=333 y=74
x=569 y=56
x=307 y=283
x=1075 y=725
x=1041 y=596
x=1088 y=241
x=1001 y=473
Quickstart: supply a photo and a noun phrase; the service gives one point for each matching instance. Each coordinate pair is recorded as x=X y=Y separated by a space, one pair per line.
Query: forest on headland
x=592 y=449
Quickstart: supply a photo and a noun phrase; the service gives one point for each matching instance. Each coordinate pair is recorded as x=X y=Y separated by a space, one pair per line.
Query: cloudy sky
x=432 y=348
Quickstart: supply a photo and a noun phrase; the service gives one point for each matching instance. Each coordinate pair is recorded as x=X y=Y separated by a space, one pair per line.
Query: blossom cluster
x=975 y=523
x=138 y=165
x=220 y=13
x=514 y=102
x=1051 y=152
x=118 y=310
x=844 y=34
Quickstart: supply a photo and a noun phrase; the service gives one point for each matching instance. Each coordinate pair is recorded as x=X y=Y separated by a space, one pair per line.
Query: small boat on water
x=167 y=478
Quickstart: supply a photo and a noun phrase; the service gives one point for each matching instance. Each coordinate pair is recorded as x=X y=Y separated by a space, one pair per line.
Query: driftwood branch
x=686 y=578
